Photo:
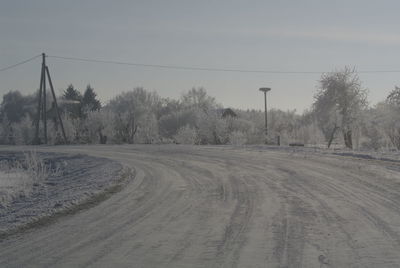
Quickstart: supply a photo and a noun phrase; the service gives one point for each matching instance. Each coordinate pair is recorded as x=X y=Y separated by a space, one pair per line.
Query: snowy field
x=13 y=184
x=224 y=206
x=34 y=186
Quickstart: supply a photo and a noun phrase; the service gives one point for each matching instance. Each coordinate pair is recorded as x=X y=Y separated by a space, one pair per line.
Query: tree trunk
x=394 y=137
x=217 y=141
x=348 y=139
x=102 y=138
x=332 y=136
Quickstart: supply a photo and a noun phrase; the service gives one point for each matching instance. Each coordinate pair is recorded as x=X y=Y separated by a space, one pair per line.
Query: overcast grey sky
x=257 y=35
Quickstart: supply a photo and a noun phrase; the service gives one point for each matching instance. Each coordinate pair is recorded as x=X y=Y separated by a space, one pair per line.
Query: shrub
x=237 y=138
x=19 y=176
x=186 y=135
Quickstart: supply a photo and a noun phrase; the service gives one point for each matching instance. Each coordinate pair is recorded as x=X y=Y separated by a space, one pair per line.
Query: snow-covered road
x=226 y=207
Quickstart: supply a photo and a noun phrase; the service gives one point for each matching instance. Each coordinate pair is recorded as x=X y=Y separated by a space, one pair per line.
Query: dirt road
x=225 y=207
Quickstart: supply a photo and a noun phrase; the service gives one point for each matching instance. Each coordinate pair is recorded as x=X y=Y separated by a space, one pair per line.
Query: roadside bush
x=19 y=176
x=211 y=128
x=148 y=130
x=98 y=126
x=24 y=131
x=237 y=138
x=169 y=124
x=186 y=135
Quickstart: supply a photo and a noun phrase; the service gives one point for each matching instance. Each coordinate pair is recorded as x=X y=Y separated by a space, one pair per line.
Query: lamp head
x=265 y=89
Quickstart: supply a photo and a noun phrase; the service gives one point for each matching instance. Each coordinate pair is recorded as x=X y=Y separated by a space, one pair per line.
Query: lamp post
x=265 y=90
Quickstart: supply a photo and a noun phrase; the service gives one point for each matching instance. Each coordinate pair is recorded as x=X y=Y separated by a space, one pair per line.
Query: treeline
x=340 y=116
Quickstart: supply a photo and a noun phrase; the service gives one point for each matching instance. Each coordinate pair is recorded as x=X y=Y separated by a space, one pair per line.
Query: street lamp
x=265 y=90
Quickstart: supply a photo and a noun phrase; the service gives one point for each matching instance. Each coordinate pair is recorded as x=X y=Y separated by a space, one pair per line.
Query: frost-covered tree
x=147 y=132
x=392 y=117
x=211 y=127
x=339 y=103
x=394 y=97
x=286 y=125
x=99 y=127
x=252 y=123
x=207 y=121
x=197 y=98
x=186 y=135
x=131 y=110
x=374 y=126
x=171 y=122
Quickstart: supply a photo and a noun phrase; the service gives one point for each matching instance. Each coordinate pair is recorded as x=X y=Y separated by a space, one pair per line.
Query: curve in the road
x=226 y=207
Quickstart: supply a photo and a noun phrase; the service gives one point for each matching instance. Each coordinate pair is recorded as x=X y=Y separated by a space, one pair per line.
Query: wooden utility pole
x=44 y=98
x=265 y=90
x=42 y=105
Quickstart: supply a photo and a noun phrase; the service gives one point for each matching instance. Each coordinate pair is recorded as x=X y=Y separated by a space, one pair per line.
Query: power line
x=19 y=63
x=178 y=67
x=190 y=68
x=170 y=66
